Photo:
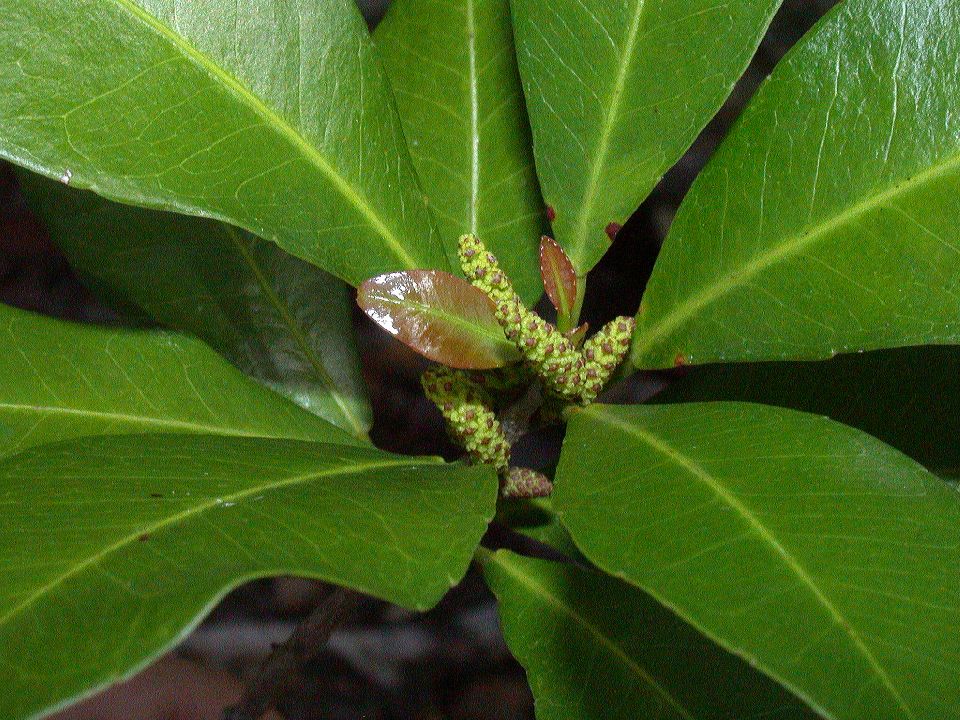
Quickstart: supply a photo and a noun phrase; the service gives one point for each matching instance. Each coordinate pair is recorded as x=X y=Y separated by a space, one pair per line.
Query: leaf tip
x=558 y=274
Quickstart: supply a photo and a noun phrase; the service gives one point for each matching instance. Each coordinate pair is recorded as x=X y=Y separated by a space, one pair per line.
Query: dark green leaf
x=536 y=519
x=60 y=380
x=827 y=221
x=277 y=318
x=595 y=648
x=909 y=398
x=824 y=557
x=440 y=316
x=454 y=74
x=273 y=115
x=113 y=547
x=617 y=91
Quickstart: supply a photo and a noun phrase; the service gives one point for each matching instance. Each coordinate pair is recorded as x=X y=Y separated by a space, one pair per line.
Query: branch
x=515 y=418
x=283 y=669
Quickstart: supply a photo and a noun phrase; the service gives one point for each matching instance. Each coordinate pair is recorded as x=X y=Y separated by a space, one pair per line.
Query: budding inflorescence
x=566 y=373
x=525 y=483
x=603 y=354
x=468 y=410
x=553 y=357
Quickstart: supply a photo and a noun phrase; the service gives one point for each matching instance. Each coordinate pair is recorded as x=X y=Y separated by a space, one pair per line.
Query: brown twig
x=283 y=669
x=515 y=418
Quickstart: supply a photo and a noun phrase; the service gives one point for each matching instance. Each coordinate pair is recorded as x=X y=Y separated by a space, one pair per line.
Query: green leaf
x=273 y=115
x=277 y=318
x=61 y=380
x=441 y=316
x=824 y=557
x=454 y=73
x=595 y=648
x=909 y=397
x=617 y=91
x=826 y=223
x=535 y=518
x=114 y=547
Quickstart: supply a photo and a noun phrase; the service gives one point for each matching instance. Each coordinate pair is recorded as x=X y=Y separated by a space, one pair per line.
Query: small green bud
x=525 y=483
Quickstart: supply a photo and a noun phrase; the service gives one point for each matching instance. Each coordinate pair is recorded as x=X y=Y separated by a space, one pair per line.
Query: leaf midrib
x=495 y=336
x=184 y=515
x=606 y=133
x=474 y=119
x=765 y=534
x=354 y=196
x=782 y=252
x=607 y=643
x=143 y=420
x=298 y=336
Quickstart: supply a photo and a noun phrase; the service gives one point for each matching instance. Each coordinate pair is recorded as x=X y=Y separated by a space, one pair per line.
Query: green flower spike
x=553 y=357
x=467 y=408
x=525 y=483
x=603 y=353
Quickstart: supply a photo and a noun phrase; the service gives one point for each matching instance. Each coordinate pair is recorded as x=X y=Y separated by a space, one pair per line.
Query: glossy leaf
x=617 y=91
x=112 y=548
x=824 y=557
x=60 y=380
x=440 y=316
x=536 y=519
x=559 y=276
x=454 y=73
x=273 y=115
x=595 y=648
x=826 y=223
x=277 y=318
x=909 y=397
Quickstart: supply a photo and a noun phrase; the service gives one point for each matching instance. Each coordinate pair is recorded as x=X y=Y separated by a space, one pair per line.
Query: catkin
x=553 y=357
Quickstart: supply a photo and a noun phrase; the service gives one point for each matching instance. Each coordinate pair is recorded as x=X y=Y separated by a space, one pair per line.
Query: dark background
x=386 y=663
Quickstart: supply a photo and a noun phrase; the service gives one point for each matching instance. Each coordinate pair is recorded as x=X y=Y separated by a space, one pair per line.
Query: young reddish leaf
x=559 y=276
x=440 y=316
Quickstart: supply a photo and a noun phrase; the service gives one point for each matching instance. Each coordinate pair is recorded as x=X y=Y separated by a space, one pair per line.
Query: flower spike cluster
x=551 y=355
x=566 y=373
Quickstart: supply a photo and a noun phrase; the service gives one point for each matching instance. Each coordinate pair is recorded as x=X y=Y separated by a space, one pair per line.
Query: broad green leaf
x=277 y=318
x=273 y=115
x=826 y=223
x=617 y=91
x=595 y=648
x=821 y=555
x=536 y=519
x=61 y=380
x=909 y=397
x=112 y=548
x=441 y=316
x=454 y=74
